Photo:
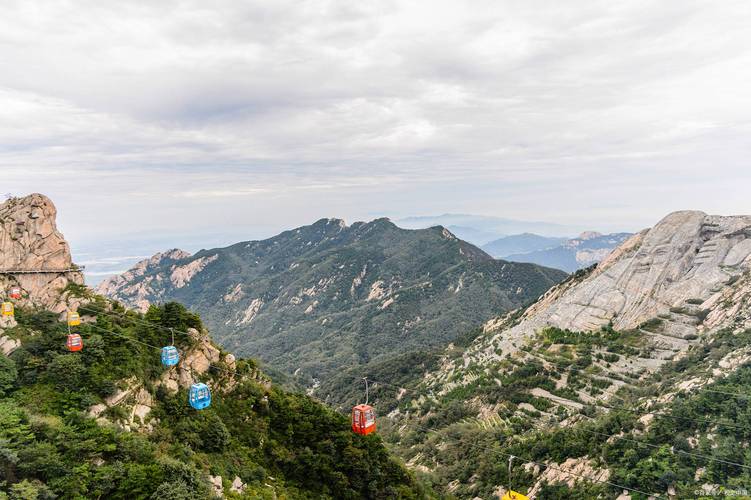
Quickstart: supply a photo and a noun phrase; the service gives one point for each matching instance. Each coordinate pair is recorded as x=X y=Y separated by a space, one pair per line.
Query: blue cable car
x=170 y=356
x=200 y=396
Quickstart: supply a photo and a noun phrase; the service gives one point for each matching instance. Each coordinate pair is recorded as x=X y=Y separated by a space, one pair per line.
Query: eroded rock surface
x=687 y=261
x=30 y=241
x=136 y=287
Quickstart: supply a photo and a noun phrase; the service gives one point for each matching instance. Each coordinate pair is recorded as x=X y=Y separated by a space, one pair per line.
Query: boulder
x=237 y=485
x=216 y=485
x=8 y=345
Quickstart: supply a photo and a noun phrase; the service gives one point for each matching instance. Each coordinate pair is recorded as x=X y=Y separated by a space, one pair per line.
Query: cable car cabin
x=363 y=419
x=170 y=356
x=73 y=319
x=513 y=495
x=199 y=396
x=7 y=309
x=74 y=343
x=15 y=293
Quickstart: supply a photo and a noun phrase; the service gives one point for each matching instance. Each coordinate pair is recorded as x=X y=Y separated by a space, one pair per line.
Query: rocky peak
x=29 y=239
x=690 y=273
x=589 y=235
x=33 y=253
x=138 y=286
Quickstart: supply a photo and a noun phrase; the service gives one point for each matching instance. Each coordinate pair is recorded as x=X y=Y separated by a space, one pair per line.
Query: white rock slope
x=692 y=271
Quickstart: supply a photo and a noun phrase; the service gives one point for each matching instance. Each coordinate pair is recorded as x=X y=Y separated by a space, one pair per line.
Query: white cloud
x=277 y=113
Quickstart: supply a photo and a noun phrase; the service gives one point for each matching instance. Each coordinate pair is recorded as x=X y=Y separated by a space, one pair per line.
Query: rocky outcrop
x=673 y=284
x=137 y=287
x=31 y=243
x=569 y=473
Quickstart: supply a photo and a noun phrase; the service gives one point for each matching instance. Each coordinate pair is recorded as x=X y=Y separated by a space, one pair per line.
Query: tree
x=8 y=375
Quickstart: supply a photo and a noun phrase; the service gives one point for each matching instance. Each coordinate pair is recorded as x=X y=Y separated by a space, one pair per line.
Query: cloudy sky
x=177 y=118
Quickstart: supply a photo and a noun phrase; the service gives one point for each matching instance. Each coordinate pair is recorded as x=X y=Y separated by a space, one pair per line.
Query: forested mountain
x=328 y=296
x=629 y=376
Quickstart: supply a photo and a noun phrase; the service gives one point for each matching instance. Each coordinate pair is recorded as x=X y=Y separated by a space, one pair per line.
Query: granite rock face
x=692 y=271
x=30 y=241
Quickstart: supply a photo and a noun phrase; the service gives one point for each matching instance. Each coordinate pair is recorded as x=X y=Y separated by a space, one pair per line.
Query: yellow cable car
x=513 y=495
x=73 y=319
x=7 y=309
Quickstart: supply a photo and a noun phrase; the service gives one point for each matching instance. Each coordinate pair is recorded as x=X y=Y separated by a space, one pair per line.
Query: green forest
x=280 y=444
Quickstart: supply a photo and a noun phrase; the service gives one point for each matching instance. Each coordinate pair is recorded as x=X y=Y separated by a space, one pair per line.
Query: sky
x=176 y=122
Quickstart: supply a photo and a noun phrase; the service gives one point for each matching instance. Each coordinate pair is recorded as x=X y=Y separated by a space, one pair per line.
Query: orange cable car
x=74 y=343
x=363 y=416
x=363 y=419
x=7 y=309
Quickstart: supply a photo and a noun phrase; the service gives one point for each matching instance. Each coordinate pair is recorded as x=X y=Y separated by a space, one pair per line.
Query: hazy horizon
x=184 y=121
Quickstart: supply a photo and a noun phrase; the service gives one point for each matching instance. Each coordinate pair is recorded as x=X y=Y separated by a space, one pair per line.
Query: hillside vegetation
x=681 y=429
x=274 y=443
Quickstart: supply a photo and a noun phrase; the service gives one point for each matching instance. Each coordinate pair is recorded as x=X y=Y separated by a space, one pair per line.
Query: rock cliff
x=34 y=254
x=673 y=271
x=625 y=347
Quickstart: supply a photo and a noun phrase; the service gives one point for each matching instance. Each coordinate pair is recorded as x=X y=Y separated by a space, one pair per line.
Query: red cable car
x=15 y=293
x=363 y=416
x=74 y=343
x=363 y=420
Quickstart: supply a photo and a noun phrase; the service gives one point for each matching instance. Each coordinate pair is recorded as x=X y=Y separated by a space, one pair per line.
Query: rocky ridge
x=136 y=402
x=30 y=242
x=678 y=292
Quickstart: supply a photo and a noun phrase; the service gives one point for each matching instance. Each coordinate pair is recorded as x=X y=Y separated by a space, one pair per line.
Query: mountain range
x=568 y=255
x=317 y=299
x=481 y=229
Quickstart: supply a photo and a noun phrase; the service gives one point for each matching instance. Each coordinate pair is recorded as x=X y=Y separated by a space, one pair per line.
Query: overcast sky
x=192 y=117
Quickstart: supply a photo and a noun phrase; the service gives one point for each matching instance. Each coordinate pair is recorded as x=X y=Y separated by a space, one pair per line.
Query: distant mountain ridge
x=487 y=225
x=570 y=255
x=314 y=299
x=520 y=244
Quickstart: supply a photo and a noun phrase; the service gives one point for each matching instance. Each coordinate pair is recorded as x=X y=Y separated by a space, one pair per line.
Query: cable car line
x=675 y=417
x=683 y=452
x=582 y=476
x=146 y=322
x=634 y=412
x=219 y=368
